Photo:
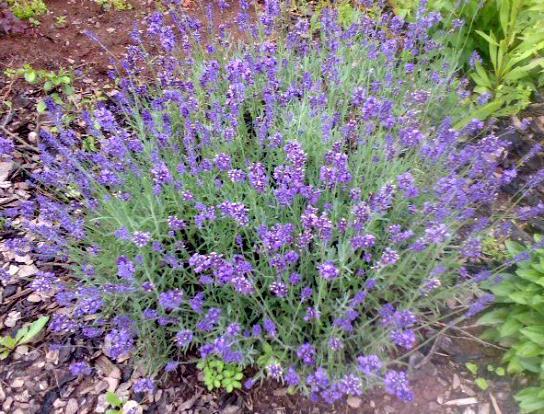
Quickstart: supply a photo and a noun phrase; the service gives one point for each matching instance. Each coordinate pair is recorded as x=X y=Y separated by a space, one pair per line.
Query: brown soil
x=51 y=47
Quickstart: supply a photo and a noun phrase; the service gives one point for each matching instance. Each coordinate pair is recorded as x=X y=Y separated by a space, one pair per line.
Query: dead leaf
x=456 y=382
x=107 y=367
x=5 y=169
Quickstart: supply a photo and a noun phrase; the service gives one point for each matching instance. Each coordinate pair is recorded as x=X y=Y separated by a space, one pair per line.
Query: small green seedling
x=23 y=336
x=54 y=84
x=472 y=367
x=217 y=375
x=115 y=402
x=60 y=21
x=268 y=356
x=60 y=81
x=118 y=5
x=480 y=382
x=499 y=371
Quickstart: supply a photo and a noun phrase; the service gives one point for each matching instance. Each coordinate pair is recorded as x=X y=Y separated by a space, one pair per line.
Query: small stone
x=113 y=383
x=101 y=404
x=132 y=407
x=12 y=319
x=484 y=408
x=7 y=404
x=20 y=351
x=34 y=298
x=27 y=270
x=5 y=169
x=231 y=409
x=58 y=403
x=354 y=402
x=17 y=383
x=71 y=407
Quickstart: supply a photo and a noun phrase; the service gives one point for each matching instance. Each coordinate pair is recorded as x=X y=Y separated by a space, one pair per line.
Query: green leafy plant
x=509 y=37
x=27 y=9
x=515 y=56
x=218 y=374
x=115 y=402
x=118 y=5
x=60 y=21
x=54 y=84
x=517 y=321
x=23 y=336
x=479 y=381
x=494 y=249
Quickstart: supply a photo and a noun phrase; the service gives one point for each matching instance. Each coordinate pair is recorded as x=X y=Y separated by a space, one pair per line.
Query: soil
x=36 y=379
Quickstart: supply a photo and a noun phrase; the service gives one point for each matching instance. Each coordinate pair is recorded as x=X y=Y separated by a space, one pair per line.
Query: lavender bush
x=300 y=203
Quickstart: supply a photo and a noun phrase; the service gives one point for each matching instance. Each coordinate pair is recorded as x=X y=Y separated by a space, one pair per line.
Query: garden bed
x=37 y=378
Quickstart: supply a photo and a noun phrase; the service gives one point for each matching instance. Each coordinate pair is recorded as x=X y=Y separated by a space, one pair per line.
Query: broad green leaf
x=48 y=86
x=34 y=329
x=494 y=317
x=30 y=76
x=510 y=327
x=514 y=366
x=529 y=274
x=531 y=364
x=535 y=334
x=472 y=367
x=528 y=349
x=41 y=107
x=530 y=399
x=490 y=40
x=481 y=383
x=519 y=297
x=514 y=248
x=113 y=400
x=8 y=342
x=482 y=112
x=527 y=318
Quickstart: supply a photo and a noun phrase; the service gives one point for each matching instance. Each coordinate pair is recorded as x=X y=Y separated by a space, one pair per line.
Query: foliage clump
x=118 y=5
x=500 y=42
x=27 y=9
x=517 y=320
x=299 y=202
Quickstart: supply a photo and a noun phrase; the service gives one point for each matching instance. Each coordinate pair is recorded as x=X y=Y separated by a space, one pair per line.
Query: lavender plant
x=297 y=202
